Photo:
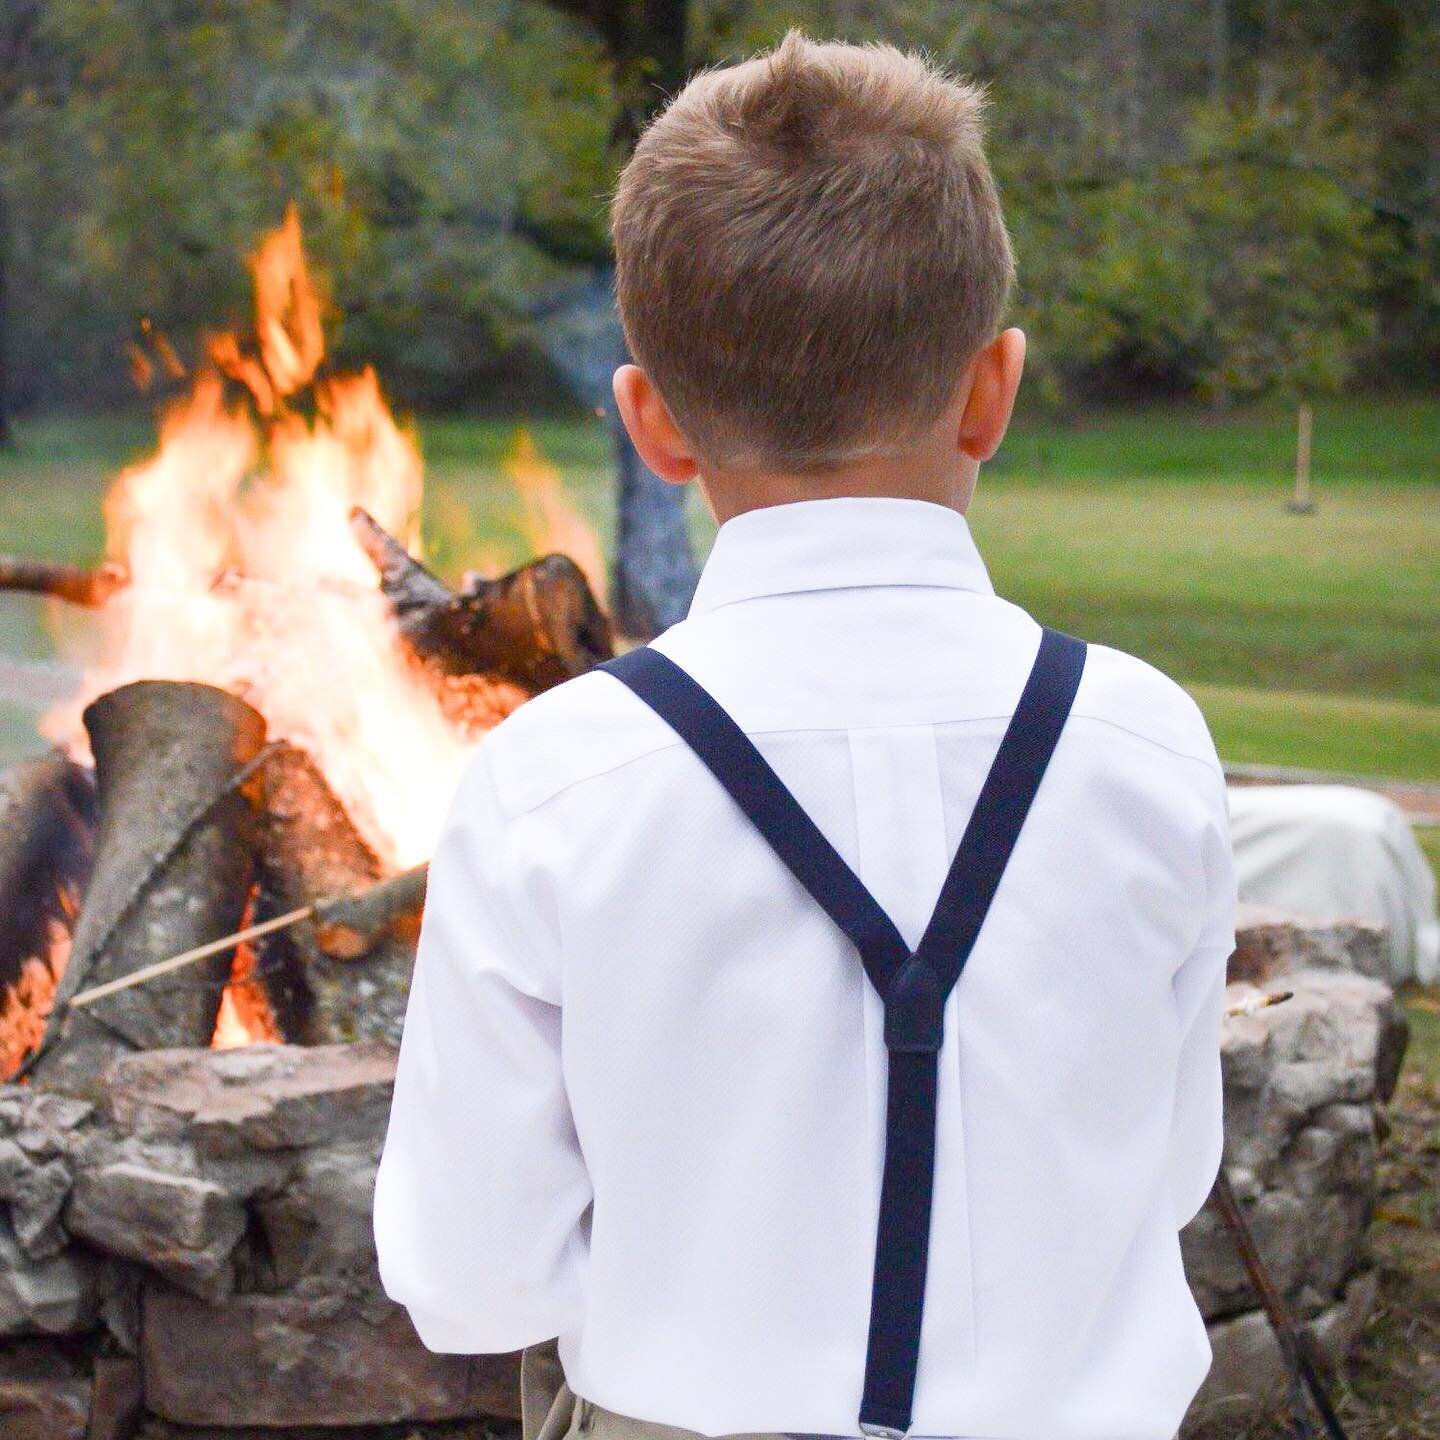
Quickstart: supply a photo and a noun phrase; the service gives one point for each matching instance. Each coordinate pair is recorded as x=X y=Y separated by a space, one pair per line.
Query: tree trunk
x=654 y=573
x=7 y=435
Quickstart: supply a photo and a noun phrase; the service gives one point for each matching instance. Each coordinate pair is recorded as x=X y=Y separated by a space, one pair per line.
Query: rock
x=1302 y=1080
x=1284 y=1064
x=117 y=1398
x=38 y=1133
x=1269 y=944
x=261 y=1097
x=321 y=1356
x=1247 y=1376
x=181 y=1225
x=43 y=1396
x=59 y=1295
x=321 y=1223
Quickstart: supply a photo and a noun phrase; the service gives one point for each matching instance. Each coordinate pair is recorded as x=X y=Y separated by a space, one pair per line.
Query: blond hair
x=809 y=250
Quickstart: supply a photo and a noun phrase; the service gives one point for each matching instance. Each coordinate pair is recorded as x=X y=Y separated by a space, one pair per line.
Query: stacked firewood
x=195 y=823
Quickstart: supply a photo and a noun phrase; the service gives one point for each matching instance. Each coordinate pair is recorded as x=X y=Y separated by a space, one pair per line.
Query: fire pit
x=281 y=702
x=267 y=736
x=265 y=742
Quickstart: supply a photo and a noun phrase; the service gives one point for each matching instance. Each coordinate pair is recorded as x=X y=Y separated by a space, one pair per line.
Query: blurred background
x=1223 y=211
x=1226 y=458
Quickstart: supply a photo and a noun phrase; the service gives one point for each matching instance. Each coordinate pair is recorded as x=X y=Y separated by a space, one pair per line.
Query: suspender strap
x=728 y=753
x=914 y=987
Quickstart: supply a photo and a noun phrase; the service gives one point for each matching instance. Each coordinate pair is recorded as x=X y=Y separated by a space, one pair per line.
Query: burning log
x=47 y=816
x=534 y=627
x=46 y=842
x=63 y=582
x=309 y=852
x=349 y=926
x=179 y=794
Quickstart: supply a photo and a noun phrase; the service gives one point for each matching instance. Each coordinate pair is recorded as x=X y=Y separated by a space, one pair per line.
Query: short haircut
x=809 y=251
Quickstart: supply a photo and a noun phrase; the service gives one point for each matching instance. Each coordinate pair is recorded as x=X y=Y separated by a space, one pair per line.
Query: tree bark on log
x=309 y=851
x=349 y=926
x=533 y=628
x=179 y=802
x=63 y=582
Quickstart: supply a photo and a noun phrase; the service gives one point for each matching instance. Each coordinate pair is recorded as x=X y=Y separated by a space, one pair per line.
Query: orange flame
x=244 y=574
x=25 y=1007
x=550 y=520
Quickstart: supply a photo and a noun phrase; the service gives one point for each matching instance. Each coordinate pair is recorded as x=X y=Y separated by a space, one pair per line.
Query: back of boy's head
x=809 y=250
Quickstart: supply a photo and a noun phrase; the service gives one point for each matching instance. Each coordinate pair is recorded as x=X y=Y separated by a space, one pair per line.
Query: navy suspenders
x=914 y=987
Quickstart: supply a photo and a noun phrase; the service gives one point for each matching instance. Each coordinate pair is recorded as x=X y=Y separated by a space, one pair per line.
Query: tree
x=16 y=37
x=654 y=571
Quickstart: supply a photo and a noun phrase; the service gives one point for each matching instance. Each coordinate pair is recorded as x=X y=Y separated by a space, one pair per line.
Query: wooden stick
x=356 y=921
x=1252 y=1003
x=1294 y=1342
x=191 y=957
x=1303 y=502
x=65 y=582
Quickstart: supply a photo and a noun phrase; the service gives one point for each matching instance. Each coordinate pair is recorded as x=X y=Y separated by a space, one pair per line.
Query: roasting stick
x=191 y=957
x=360 y=915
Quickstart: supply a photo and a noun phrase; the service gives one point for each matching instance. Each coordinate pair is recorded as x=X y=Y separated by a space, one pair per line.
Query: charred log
x=47 y=818
x=62 y=582
x=309 y=851
x=533 y=628
x=179 y=799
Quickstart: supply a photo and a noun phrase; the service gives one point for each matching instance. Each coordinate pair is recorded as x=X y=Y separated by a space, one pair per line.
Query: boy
x=681 y=1084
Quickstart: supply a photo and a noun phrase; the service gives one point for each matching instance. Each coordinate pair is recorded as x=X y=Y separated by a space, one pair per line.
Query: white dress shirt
x=640 y=1101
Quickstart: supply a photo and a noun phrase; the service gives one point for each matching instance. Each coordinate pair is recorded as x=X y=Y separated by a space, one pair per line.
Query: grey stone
x=1302 y=1082
x=1269 y=944
x=259 y=1097
x=321 y=1223
x=36 y=1205
x=327 y=1356
x=1247 y=1377
x=58 y=1295
x=43 y=1396
x=183 y=1226
x=117 y=1398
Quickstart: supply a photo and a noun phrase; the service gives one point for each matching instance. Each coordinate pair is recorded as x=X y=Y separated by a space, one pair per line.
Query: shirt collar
x=839 y=543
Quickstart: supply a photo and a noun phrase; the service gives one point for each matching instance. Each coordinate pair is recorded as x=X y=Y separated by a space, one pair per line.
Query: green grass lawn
x=1309 y=640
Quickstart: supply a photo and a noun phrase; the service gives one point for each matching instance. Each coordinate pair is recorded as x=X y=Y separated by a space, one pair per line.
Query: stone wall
x=1305 y=1084
x=195 y=1238
x=190 y=1242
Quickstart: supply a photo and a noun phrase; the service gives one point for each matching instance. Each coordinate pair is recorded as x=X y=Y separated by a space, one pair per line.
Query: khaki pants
x=550 y=1410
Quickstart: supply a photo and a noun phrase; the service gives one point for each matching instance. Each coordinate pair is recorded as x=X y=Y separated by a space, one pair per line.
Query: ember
x=282 y=701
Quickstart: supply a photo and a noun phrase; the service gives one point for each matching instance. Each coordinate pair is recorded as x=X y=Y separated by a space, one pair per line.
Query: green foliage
x=1225 y=200
x=1307 y=640
x=447 y=161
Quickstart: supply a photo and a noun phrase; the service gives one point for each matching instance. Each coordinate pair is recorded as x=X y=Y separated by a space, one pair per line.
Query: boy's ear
x=657 y=437
x=994 y=379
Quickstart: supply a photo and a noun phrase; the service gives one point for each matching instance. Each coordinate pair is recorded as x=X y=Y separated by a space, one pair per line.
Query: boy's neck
x=942 y=478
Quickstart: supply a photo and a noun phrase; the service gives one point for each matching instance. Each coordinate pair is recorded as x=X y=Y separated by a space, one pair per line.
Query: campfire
x=277 y=703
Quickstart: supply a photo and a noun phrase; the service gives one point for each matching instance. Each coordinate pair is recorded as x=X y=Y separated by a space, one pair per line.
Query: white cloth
x=1335 y=852
x=640 y=1099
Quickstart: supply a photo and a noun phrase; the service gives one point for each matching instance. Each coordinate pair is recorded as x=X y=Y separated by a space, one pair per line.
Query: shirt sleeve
x=482 y=1191
x=1197 y=1134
